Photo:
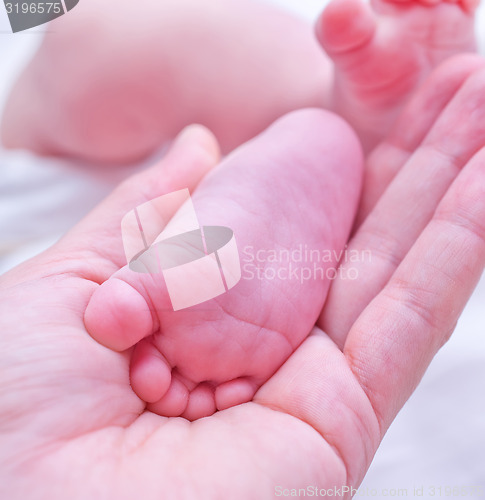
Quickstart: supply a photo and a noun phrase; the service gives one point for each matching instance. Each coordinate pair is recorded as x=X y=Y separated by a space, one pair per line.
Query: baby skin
x=382 y=52
x=295 y=185
x=233 y=66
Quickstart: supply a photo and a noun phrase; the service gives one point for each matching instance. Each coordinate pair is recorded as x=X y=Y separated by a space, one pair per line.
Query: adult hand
x=72 y=427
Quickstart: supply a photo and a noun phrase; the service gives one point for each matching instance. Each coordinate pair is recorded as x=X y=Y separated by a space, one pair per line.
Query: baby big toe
x=345 y=25
x=117 y=315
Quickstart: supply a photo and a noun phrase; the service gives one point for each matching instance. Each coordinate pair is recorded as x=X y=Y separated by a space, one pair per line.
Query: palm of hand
x=76 y=398
x=73 y=427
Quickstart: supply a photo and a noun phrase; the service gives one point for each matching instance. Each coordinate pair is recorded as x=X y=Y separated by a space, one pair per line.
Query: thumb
x=94 y=247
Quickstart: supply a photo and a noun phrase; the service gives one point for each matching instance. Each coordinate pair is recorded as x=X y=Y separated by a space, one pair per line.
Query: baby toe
x=150 y=373
x=470 y=5
x=235 y=392
x=201 y=403
x=174 y=402
x=345 y=25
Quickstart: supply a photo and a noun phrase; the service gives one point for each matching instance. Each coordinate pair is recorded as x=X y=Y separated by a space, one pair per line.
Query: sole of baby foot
x=195 y=360
x=383 y=51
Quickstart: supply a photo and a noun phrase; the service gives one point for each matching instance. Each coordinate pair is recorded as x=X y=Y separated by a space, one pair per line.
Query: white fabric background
x=437 y=440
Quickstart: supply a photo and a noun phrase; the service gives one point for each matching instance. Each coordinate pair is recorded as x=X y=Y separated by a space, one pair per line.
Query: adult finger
x=413 y=126
x=350 y=398
x=406 y=207
x=396 y=337
x=194 y=153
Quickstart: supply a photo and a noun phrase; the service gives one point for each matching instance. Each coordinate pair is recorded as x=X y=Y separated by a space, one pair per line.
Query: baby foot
x=382 y=53
x=294 y=187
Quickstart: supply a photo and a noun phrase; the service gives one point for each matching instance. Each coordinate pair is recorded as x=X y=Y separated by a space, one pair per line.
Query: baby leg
x=111 y=83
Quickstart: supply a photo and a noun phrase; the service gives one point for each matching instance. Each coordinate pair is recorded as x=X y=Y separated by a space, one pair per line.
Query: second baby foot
x=383 y=51
x=294 y=188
